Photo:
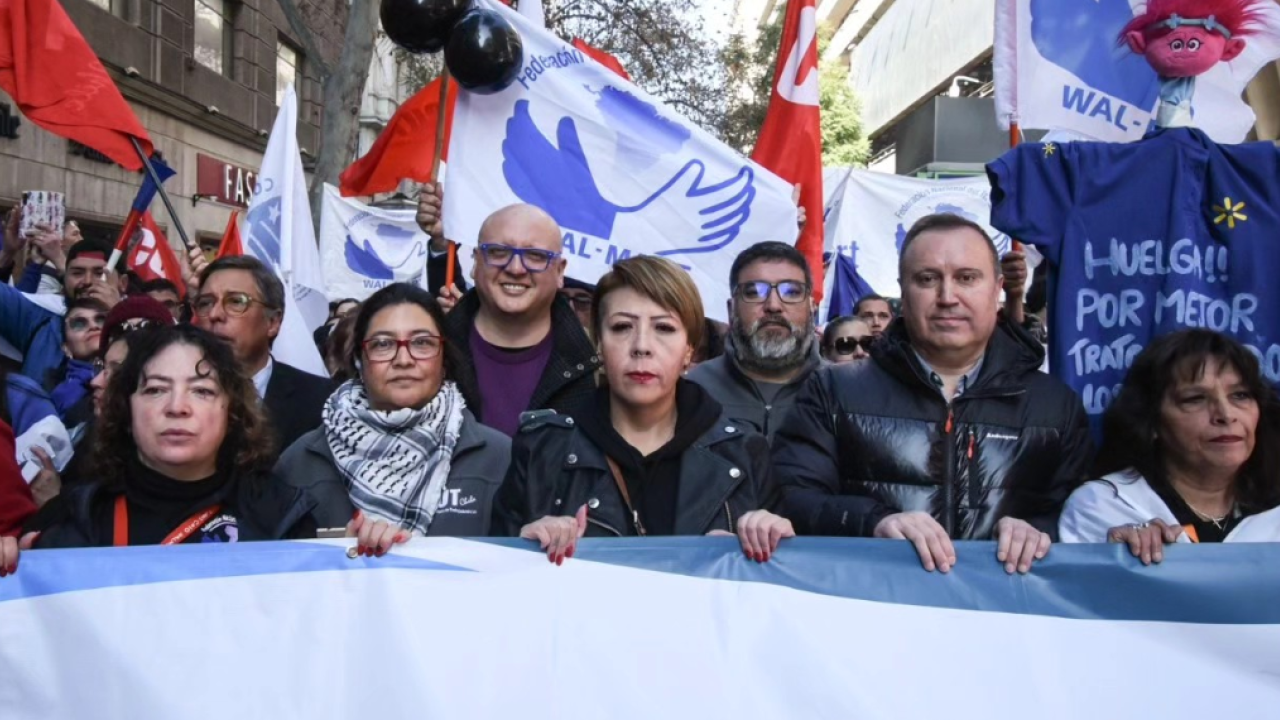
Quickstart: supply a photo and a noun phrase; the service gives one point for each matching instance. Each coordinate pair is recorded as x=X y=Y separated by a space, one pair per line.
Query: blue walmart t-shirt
x=1145 y=238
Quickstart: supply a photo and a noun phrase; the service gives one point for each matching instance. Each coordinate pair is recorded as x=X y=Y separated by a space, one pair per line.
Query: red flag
x=601 y=57
x=153 y=257
x=790 y=142
x=58 y=83
x=405 y=148
x=231 y=245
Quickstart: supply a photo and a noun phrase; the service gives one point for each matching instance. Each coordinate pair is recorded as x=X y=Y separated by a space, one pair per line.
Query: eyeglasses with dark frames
x=848 y=345
x=384 y=348
x=534 y=260
x=789 y=291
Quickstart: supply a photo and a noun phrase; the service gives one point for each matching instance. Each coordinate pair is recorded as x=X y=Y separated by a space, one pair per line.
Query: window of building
x=213 y=34
x=115 y=7
x=286 y=69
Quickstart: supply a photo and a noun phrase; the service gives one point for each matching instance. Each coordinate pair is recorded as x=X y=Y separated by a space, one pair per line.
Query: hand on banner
x=374 y=538
x=49 y=241
x=760 y=531
x=47 y=483
x=557 y=535
x=931 y=539
x=430 y=216
x=449 y=297
x=1146 y=540
x=195 y=264
x=1019 y=543
x=10 y=549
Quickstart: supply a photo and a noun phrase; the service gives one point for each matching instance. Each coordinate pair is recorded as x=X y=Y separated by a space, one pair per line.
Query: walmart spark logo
x=1230 y=213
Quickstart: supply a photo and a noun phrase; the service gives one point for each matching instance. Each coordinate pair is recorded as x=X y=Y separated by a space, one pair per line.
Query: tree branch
x=300 y=31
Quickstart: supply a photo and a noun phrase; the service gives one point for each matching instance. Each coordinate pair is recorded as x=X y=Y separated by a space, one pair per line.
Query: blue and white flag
x=630 y=629
x=366 y=248
x=1058 y=65
x=621 y=173
x=869 y=218
x=278 y=231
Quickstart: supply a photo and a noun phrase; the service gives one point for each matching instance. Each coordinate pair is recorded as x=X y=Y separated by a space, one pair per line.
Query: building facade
x=205 y=78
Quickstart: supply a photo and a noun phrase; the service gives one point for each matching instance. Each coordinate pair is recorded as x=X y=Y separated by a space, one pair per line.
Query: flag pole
x=442 y=116
x=168 y=204
x=1014 y=133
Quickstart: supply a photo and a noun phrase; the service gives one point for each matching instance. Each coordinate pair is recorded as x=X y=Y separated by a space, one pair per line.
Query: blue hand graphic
x=648 y=136
x=264 y=231
x=1080 y=37
x=899 y=237
x=365 y=261
x=559 y=180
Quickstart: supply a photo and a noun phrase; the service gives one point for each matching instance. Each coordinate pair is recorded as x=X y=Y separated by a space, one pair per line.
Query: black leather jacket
x=866 y=441
x=555 y=469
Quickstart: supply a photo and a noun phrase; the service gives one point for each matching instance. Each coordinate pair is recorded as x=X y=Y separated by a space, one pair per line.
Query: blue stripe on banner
x=50 y=572
x=1233 y=584
x=1206 y=584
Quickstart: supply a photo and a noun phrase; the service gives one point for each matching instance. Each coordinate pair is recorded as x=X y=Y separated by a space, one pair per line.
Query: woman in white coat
x=1190 y=452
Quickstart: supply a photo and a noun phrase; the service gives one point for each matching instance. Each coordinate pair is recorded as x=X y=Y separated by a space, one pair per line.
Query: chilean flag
x=790 y=142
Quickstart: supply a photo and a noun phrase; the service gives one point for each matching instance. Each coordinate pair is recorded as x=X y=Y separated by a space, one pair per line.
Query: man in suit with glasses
x=770 y=350
x=518 y=344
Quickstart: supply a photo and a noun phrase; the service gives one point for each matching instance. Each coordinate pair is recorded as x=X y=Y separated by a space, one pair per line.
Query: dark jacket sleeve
x=1077 y=457
x=806 y=466
x=511 y=506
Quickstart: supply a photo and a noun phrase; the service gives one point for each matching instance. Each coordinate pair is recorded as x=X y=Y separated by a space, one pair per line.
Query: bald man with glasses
x=519 y=344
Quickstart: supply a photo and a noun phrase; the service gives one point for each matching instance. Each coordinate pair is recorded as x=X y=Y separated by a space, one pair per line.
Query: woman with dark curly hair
x=182 y=455
x=1190 y=453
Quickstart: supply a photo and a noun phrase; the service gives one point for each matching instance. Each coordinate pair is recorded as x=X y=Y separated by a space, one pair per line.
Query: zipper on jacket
x=728 y=516
x=605 y=526
x=949 y=481
x=974 y=499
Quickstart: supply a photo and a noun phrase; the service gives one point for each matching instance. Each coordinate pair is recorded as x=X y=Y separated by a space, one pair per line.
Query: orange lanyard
x=183 y=531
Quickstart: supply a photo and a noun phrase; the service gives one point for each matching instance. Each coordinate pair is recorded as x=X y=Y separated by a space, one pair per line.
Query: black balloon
x=421 y=26
x=484 y=52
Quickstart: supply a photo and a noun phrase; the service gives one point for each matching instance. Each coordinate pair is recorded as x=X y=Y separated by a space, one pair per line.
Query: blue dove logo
x=263 y=227
x=558 y=177
x=1002 y=241
x=1079 y=36
x=365 y=259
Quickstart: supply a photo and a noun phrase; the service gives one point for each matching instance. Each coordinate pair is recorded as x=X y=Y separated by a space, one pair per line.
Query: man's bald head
x=522 y=220
x=518 y=268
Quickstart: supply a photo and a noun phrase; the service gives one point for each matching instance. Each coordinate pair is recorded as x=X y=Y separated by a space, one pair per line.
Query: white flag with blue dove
x=278 y=231
x=622 y=174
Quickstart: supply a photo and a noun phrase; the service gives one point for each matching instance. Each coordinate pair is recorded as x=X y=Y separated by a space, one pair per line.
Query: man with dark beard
x=770 y=350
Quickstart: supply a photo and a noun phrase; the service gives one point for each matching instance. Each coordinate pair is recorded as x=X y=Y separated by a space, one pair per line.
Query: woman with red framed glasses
x=398 y=450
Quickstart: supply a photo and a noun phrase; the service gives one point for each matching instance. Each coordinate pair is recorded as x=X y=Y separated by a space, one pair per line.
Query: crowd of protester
x=535 y=406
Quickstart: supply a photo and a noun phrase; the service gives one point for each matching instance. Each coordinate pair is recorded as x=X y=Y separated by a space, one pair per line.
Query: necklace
x=1217 y=521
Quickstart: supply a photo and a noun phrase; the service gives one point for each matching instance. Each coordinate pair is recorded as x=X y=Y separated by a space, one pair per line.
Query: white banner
x=1059 y=65
x=365 y=248
x=636 y=630
x=278 y=232
x=621 y=173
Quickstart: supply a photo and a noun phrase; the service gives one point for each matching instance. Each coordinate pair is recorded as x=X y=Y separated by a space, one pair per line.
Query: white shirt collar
x=262 y=378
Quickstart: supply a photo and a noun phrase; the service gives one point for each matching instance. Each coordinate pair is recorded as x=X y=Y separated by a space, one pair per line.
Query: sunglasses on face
x=234 y=304
x=789 y=291
x=385 y=348
x=534 y=260
x=81 y=323
x=849 y=345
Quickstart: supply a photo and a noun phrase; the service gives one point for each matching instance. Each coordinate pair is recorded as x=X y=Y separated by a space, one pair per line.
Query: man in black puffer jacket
x=951 y=432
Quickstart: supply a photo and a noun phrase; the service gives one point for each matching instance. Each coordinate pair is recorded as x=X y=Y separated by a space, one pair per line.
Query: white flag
x=622 y=174
x=366 y=248
x=870 y=217
x=532 y=9
x=1058 y=64
x=278 y=232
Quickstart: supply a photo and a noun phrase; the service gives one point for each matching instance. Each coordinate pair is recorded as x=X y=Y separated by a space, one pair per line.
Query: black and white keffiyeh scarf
x=396 y=464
